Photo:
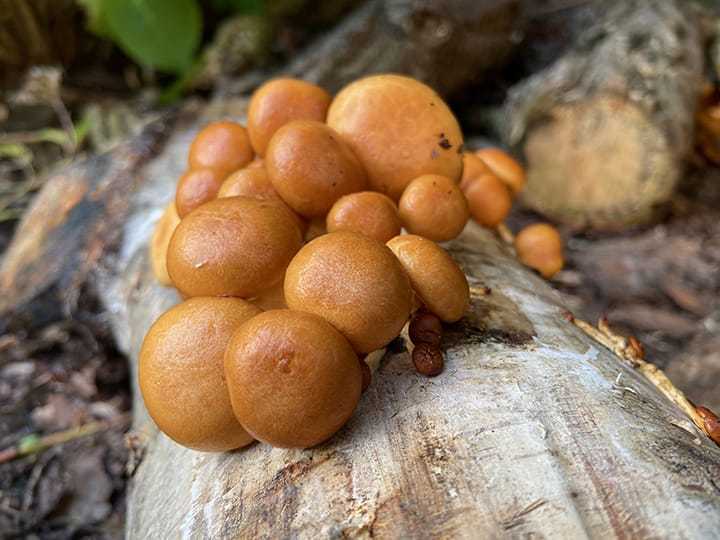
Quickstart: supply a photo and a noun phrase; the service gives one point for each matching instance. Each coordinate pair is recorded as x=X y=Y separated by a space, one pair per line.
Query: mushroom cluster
x=285 y=240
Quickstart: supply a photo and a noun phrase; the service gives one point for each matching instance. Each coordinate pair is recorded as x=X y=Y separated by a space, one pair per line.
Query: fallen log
x=445 y=43
x=533 y=427
x=605 y=129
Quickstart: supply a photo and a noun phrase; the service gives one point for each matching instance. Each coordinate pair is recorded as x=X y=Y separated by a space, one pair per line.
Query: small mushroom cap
x=250 y=182
x=353 y=282
x=434 y=207
x=224 y=146
x=311 y=167
x=280 y=101
x=367 y=212
x=540 y=246
x=234 y=246
x=505 y=167
x=400 y=129
x=253 y=182
x=164 y=230
x=434 y=275
x=294 y=380
x=196 y=187
x=489 y=199
x=473 y=167
x=181 y=373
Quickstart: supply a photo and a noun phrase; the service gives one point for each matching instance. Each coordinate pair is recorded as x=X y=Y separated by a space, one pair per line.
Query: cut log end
x=599 y=163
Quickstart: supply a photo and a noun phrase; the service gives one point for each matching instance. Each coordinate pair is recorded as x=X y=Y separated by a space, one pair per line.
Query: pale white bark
x=527 y=431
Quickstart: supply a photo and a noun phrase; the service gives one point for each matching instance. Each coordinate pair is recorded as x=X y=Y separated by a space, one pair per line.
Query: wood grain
x=525 y=432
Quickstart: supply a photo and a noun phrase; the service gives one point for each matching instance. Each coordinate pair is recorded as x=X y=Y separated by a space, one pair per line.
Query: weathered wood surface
x=527 y=431
x=606 y=127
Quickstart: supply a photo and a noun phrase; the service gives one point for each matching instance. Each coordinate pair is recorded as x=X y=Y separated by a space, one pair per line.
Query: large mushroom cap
x=353 y=282
x=181 y=373
x=234 y=246
x=293 y=379
x=399 y=128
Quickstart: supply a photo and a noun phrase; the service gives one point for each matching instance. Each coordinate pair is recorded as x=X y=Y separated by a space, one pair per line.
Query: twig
x=32 y=444
x=631 y=350
x=480 y=291
x=517 y=518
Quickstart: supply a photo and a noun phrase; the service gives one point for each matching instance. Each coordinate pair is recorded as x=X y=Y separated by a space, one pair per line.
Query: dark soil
x=53 y=380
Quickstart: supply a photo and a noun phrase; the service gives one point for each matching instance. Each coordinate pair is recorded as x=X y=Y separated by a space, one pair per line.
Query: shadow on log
x=533 y=427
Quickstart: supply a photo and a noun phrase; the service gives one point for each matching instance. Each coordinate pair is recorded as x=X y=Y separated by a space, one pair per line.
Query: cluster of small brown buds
x=425 y=332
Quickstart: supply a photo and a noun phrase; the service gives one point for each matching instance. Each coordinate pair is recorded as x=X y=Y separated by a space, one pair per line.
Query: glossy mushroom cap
x=294 y=380
x=399 y=128
x=196 y=187
x=434 y=275
x=224 y=146
x=252 y=181
x=181 y=373
x=353 y=282
x=540 y=246
x=367 y=212
x=164 y=230
x=280 y=101
x=311 y=167
x=234 y=246
x=505 y=167
x=434 y=207
x=473 y=167
x=489 y=199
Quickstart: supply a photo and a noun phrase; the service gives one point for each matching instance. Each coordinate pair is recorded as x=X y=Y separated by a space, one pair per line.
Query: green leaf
x=96 y=20
x=161 y=34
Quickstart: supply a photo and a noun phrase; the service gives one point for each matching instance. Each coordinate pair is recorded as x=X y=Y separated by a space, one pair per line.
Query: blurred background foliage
x=161 y=37
x=79 y=75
